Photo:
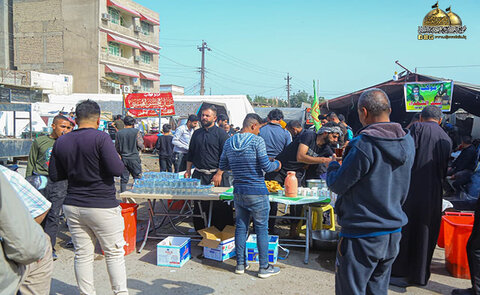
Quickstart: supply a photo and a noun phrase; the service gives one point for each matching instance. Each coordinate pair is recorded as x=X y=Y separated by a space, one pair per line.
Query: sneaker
x=268 y=272
x=240 y=269
x=69 y=244
x=54 y=256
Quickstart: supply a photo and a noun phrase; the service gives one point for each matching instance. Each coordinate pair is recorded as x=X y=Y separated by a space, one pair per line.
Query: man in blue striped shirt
x=246 y=156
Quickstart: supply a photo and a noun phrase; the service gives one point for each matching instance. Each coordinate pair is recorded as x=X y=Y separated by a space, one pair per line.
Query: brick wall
x=38 y=35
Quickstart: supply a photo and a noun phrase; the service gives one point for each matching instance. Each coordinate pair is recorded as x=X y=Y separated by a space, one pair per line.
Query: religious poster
x=421 y=94
x=142 y=105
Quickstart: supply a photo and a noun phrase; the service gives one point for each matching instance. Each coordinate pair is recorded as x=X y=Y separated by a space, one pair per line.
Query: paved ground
x=203 y=276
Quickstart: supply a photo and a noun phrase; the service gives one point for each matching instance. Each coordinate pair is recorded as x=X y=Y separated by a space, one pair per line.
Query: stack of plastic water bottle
x=167 y=183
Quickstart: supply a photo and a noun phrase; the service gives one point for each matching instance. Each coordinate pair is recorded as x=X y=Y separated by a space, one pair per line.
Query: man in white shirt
x=181 y=141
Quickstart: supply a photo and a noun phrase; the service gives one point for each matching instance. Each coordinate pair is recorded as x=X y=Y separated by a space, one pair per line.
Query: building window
x=147 y=28
x=146 y=57
x=116 y=17
x=147 y=85
x=114 y=49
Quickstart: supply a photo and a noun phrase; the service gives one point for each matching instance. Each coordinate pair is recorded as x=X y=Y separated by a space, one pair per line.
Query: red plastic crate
x=457 y=230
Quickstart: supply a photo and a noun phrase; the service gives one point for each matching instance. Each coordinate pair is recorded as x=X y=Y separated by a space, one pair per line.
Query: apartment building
x=108 y=46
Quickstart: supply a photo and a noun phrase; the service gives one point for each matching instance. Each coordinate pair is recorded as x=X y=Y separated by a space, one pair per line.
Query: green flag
x=315 y=110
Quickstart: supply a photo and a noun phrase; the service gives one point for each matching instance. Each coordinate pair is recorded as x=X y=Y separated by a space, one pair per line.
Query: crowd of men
x=388 y=180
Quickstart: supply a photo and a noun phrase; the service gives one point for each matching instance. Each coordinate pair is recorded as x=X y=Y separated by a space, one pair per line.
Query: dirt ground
x=204 y=276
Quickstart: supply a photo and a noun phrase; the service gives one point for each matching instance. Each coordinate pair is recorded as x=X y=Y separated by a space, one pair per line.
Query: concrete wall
x=63 y=37
x=56 y=84
x=81 y=49
x=4 y=52
x=38 y=35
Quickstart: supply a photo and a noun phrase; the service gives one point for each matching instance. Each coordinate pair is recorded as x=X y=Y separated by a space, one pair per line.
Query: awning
x=115 y=38
x=115 y=4
x=148 y=76
x=120 y=71
x=149 y=19
x=148 y=48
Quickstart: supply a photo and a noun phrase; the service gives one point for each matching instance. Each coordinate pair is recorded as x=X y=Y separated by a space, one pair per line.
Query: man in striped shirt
x=246 y=156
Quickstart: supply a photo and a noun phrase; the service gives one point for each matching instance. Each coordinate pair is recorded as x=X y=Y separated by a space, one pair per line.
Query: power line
x=246 y=62
x=175 y=62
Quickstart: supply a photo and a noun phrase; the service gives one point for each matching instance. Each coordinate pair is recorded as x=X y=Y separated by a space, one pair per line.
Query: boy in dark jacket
x=372 y=185
x=164 y=146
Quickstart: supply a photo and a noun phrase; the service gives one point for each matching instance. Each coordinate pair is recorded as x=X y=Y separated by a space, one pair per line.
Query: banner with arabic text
x=418 y=95
x=142 y=105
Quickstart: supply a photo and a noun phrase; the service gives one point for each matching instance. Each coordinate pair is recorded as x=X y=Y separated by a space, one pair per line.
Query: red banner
x=141 y=105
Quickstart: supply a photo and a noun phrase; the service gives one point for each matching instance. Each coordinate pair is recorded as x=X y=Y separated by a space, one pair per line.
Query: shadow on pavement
x=162 y=286
x=62 y=288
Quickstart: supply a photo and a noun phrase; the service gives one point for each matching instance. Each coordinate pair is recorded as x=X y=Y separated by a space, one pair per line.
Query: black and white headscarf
x=330 y=129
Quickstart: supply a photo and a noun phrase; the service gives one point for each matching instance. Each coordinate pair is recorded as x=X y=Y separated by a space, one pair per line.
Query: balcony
x=129 y=62
x=118 y=60
x=129 y=31
x=150 y=39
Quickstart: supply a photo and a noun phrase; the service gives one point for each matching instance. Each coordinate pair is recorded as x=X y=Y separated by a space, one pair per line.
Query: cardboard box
x=252 y=250
x=173 y=251
x=218 y=245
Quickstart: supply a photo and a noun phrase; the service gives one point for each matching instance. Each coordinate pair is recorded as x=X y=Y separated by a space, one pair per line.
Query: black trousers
x=55 y=192
x=166 y=164
x=180 y=162
x=363 y=265
x=222 y=213
x=473 y=251
x=132 y=166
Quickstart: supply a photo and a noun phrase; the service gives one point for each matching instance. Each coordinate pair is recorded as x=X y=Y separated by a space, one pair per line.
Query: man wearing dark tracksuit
x=372 y=184
x=128 y=142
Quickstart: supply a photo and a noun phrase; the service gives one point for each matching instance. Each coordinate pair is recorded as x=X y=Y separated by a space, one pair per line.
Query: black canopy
x=465 y=96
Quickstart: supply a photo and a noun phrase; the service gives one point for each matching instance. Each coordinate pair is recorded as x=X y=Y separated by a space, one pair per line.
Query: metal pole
x=159 y=119
x=14 y=124
x=30 y=119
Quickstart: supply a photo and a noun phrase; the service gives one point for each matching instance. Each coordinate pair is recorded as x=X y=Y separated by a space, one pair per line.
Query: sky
x=345 y=45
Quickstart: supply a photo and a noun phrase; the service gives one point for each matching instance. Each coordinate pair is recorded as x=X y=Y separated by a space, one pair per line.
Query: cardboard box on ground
x=218 y=245
x=173 y=251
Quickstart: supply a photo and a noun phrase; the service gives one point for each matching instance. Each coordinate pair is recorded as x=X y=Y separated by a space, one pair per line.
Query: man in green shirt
x=38 y=161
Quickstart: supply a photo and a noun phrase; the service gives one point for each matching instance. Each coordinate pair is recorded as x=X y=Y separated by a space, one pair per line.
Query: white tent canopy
x=237 y=106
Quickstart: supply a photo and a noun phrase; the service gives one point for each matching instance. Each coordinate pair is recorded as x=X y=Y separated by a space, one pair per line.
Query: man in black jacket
x=462 y=168
x=127 y=143
x=164 y=146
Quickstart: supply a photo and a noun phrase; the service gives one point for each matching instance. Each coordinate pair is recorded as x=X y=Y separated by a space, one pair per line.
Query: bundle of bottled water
x=168 y=183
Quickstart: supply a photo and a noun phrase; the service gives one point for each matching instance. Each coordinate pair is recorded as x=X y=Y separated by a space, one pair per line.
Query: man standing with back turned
x=86 y=157
x=424 y=202
x=372 y=185
x=245 y=154
x=127 y=143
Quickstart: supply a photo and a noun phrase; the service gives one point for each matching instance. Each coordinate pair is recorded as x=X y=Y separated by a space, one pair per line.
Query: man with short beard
x=206 y=146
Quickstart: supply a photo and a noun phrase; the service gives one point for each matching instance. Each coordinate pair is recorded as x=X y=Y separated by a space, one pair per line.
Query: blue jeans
x=258 y=207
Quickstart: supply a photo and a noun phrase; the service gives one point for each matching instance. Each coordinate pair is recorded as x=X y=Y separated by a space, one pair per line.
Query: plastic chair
x=318 y=221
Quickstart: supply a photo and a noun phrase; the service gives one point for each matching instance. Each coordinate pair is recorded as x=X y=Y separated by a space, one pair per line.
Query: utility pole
x=288 y=88
x=202 y=69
